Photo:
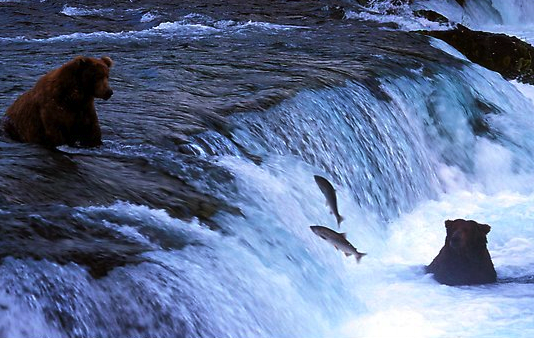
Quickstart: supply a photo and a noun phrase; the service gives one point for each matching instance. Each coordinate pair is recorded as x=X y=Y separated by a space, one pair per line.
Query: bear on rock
x=464 y=259
x=60 y=108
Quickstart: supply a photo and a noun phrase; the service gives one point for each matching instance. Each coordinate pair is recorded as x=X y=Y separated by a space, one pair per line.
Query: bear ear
x=78 y=64
x=450 y=226
x=107 y=60
x=485 y=228
x=80 y=60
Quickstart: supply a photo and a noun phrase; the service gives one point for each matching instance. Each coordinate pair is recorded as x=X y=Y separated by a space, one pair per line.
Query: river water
x=192 y=219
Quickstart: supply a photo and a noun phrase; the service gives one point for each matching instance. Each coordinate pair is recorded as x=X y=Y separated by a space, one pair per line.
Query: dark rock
x=336 y=12
x=431 y=16
x=363 y=2
x=464 y=259
x=507 y=55
x=85 y=180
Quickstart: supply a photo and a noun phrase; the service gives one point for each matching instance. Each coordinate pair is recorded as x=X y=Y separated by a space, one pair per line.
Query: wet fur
x=60 y=108
x=464 y=258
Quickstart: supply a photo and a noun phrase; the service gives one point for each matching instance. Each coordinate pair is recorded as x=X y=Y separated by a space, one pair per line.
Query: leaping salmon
x=330 y=193
x=338 y=240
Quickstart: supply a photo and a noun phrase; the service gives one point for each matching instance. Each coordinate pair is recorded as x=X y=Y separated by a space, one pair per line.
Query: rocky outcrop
x=508 y=55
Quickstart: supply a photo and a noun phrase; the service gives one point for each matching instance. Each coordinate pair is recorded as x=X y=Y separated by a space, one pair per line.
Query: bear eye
x=100 y=76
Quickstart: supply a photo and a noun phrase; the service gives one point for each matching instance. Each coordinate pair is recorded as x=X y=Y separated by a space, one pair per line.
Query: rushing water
x=192 y=220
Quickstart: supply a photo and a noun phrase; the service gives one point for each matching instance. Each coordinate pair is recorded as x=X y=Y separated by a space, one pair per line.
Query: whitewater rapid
x=512 y=17
x=485 y=179
x=199 y=203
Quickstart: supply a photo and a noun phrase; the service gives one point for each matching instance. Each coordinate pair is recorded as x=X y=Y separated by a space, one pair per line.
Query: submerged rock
x=508 y=55
x=50 y=205
x=64 y=235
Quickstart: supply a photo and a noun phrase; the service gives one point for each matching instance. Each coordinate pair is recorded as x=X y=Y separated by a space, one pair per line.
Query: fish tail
x=339 y=220
x=359 y=256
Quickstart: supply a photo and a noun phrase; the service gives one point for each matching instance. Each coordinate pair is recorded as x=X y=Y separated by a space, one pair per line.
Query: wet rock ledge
x=508 y=55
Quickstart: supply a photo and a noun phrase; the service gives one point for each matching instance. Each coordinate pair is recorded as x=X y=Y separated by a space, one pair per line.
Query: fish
x=338 y=240
x=330 y=193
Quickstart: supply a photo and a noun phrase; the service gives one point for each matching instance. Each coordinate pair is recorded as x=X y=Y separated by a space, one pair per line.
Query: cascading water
x=453 y=135
x=187 y=225
x=513 y=17
x=484 y=13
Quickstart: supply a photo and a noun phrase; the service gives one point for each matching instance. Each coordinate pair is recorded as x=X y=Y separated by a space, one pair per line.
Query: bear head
x=465 y=236
x=93 y=75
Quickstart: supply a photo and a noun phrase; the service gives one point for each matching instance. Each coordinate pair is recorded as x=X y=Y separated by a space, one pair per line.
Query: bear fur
x=464 y=259
x=60 y=108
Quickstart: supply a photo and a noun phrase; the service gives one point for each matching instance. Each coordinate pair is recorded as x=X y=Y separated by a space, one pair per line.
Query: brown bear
x=60 y=108
x=464 y=259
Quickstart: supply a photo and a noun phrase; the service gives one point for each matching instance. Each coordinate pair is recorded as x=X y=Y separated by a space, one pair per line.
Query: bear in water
x=464 y=259
x=60 y=108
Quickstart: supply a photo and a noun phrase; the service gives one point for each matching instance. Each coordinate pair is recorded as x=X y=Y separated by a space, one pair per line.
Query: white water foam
x=35 y=323
x=402 y=300
x=483 y=13
x=81 y=11
x=401 y=14
x=398 y=297
x=165 y=29
x=526 y=89
x=512 y=17
x=403 y=18
x=232 y=275
x=149 y=17
x=174 y=29
x=487 y=178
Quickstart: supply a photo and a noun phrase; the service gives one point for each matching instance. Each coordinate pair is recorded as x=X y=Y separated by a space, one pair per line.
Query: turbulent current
x=193 y=218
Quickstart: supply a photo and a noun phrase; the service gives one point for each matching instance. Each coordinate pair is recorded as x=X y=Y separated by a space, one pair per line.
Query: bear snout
x=459 y=241
x=108 y=94
x=456 y=241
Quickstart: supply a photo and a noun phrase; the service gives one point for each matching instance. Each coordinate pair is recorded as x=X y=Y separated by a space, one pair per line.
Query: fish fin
x=359 y=256
x=347 y=254
x=344 y=235
x=340 y=219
